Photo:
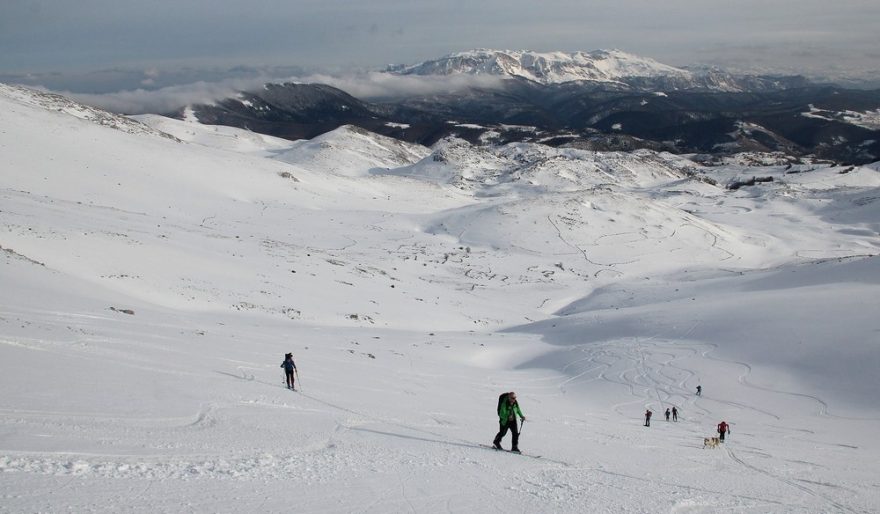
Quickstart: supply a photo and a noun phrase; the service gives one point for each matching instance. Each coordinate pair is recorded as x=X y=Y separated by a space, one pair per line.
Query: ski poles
x=298 y=379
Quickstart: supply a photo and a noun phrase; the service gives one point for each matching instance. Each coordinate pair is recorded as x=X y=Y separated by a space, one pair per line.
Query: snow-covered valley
x=154 y=273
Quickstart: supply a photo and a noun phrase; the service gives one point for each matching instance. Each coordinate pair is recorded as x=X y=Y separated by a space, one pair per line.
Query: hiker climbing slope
x=289 y=368
x=723 y=429
x=508 y=410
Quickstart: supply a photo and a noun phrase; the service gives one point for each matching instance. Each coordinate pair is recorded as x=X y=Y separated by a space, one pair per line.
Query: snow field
x=152 y=286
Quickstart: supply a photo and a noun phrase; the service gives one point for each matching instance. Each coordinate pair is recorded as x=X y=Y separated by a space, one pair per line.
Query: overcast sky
x=104 y=45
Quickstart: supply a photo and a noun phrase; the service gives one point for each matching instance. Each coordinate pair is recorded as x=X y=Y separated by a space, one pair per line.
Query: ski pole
x=298 y=379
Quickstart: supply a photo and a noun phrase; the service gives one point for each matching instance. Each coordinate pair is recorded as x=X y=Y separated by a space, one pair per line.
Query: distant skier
x=508 y=410
x=723 y=428
x=289 y=368
x=648 y=414
x=674 y=414
x=668 y=412
x=699 y=390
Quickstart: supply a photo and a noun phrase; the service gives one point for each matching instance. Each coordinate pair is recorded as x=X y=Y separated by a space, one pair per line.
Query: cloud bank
x=366 y=86
x=378 y=85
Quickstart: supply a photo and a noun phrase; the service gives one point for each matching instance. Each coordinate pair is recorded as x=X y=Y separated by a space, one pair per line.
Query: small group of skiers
x=673 y=412
x=723 y=428
x=669 y=412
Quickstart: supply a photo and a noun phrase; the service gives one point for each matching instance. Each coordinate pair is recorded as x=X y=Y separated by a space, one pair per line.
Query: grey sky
x=129 y=44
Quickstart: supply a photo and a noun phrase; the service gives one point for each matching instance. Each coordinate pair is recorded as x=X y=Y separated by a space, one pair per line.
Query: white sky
x=815 y=37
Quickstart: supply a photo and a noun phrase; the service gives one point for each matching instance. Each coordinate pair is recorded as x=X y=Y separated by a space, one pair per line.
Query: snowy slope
x=217 y=136
x=151 y=286
x=65 y=105
x=353 y=151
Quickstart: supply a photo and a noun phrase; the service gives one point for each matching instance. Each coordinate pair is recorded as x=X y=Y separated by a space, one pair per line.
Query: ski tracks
x=743 y=379
x=791 y=483
x=645 y=367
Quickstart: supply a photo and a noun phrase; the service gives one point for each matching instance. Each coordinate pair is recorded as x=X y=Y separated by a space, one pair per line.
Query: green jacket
x=504 y=412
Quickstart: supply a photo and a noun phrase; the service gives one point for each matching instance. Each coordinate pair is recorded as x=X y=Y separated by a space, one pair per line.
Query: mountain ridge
x=814 y=122
x=542 y=67
x=607 y=67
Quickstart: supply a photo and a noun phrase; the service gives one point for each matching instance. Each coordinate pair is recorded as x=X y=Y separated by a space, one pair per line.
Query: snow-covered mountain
x=152 y=284
x=545 y=68
x=610 y=68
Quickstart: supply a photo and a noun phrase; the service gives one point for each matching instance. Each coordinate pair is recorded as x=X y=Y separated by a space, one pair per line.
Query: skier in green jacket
x=508 y=410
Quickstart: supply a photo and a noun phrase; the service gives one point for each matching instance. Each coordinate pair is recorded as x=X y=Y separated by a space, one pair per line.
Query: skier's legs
x=515 y=432
x=502 y=431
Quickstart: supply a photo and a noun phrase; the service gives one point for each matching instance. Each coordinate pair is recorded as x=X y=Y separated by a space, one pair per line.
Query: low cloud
x=167 y=99
x=377 y=85
x=366 y=86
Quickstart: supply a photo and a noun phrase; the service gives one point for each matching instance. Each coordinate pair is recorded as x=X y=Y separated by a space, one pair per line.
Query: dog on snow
x=711 y=442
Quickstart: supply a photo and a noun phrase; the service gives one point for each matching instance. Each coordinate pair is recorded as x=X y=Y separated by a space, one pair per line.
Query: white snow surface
x=151 y=286
x=227 y=138
x=352 y=151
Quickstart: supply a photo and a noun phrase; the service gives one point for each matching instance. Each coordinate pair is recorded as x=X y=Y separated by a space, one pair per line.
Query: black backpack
x=501 y=399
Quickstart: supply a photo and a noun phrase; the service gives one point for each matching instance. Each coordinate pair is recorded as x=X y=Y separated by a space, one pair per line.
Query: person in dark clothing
x=667 y=413
x=508 y=410
x=723 y=428
x=699 y=390
x=289 y=368
x=674 y=414
x=648 y=414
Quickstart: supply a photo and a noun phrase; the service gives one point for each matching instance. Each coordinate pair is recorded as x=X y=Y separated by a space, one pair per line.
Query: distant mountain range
x=609 y=69
x=544 y=68
x=602 y=100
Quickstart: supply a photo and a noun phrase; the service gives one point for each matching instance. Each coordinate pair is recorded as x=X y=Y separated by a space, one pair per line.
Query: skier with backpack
x=723 y=428
x=508 y=410
x=289 y=368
